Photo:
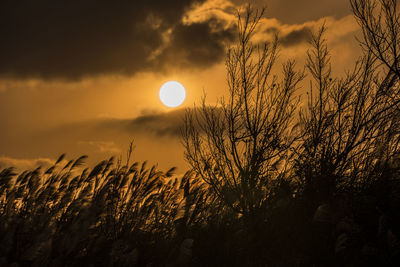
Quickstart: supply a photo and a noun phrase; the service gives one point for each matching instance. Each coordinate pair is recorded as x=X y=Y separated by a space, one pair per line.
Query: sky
x=82 y=77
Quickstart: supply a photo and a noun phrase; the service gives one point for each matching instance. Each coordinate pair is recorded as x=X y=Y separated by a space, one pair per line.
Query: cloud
x=25 y=164
x=71 y=40
x=289 y=35
x=75 y=39
x=199 y=44
x=156 y=124
x=296 y=37
x=102 y=146
x=224 y=10
x=97 y=133
x=293 y=35
x=161 y=124
x=294 y=28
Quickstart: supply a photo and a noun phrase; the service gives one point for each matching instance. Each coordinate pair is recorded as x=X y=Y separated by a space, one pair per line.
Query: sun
x=172 y=94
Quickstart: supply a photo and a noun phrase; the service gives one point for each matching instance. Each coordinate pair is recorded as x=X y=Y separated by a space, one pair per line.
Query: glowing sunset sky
x=83 y=77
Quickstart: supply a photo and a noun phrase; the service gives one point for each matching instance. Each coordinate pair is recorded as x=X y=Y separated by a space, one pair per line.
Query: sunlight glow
x=172 y=94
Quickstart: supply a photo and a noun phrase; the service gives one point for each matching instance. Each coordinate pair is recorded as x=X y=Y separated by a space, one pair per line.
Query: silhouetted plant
x=350 y=125
x=103 y=215
x=380 y=24
x=240 y=146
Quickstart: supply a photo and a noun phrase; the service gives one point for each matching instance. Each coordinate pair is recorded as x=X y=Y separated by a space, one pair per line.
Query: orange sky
x=84 y=78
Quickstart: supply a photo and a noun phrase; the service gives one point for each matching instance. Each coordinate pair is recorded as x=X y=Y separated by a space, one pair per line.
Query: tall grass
x=111 y=214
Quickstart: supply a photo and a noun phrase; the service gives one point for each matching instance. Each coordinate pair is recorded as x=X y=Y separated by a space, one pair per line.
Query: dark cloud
x=156 y=124
x=296 y=37
x=201 y=43
x=293 y=37
x=73 y=39
x=163 y=124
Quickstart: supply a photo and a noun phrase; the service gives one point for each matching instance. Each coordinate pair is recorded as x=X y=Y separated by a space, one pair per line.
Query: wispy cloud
x=25 y=164
x=102 y=146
